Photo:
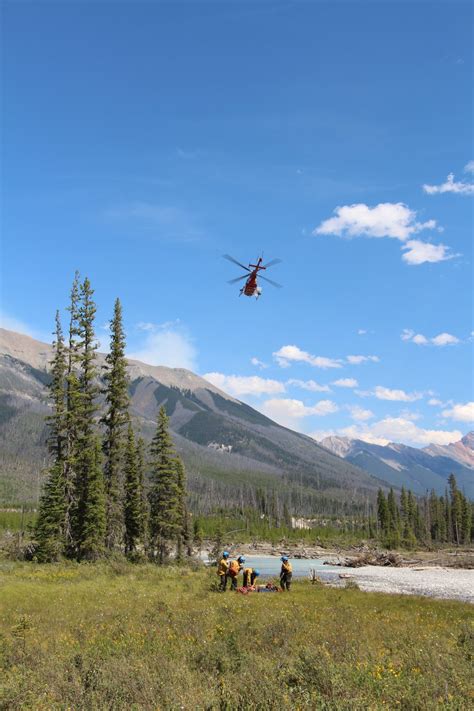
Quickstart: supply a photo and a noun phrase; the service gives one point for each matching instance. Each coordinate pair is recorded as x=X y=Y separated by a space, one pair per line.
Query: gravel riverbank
x=443 y=583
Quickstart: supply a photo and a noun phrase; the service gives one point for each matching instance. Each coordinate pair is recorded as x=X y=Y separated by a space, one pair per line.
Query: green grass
x=117 y=636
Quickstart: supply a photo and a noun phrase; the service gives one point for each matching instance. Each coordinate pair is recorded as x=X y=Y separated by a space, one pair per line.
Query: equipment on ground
x=251 y=287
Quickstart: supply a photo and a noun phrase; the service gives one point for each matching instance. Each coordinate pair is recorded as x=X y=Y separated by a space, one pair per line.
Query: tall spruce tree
x=73 y=406
x=90 y=486
x=164 y=496
x=50 y=526
x=133 y=505
x=115 y=421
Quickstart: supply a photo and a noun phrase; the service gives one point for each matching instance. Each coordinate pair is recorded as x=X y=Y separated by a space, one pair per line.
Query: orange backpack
x=234 y=568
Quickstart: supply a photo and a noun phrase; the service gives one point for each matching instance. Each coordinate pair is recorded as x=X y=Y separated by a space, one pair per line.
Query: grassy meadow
x=119 y=636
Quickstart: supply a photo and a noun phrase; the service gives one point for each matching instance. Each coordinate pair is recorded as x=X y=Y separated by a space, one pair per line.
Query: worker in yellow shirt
x=223 y=571
x=235 y=566
x=250 y=574
x=286 y=573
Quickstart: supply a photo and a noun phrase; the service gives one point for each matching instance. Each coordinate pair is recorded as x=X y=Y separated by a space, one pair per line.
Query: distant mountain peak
x=401 y=465
x=468 y=440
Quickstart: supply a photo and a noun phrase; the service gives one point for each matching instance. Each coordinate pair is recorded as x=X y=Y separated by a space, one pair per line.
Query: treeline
x=432 y=519
x=95 y=500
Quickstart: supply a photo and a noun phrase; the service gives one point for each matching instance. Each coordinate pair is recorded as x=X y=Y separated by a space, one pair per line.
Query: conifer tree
x=466 y=520
x=447 y=518
x=89 y=485
x=115 y=421
x=456 y=509
x=382 y=511
x=197 y=534
x=165 y=500
x=133 y=505
x=49 y=529
x=93 y=521
x=184 y=534
x=73 y=404
x=145 y=504
x=51 y=515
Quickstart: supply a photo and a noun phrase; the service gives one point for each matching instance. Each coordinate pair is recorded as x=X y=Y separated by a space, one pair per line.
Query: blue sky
x=144 y=140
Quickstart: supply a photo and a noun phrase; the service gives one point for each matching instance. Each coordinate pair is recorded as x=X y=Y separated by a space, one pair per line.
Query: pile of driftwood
x=387 y=558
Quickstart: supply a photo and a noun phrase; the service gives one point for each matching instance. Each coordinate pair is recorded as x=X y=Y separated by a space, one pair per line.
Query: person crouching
x=250 y=575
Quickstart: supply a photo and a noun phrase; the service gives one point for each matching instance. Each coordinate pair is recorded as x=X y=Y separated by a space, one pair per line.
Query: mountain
x=462 y=451
x=229 y=448
x=416 y=469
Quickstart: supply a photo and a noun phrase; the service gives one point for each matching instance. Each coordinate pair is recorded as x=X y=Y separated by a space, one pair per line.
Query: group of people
x=231 y=568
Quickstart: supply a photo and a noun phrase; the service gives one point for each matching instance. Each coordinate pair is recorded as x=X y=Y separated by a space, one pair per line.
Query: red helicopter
x=251 y=287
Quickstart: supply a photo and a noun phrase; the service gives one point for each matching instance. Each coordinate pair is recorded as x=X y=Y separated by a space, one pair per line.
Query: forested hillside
x=231 y=451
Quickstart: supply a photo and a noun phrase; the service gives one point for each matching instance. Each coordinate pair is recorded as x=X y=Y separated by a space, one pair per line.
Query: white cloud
x=420 y=252
x=167 y=346
x=469 y=167
x=434 y=402
x=289 y=412
x=358 y=359
x=239 y=385
x=384 y=220
x=310 y=385
x=288 y=354
x=360 y=414
x=461 y=412
x=382 y=393
x=346 y=383
x=394 y=220
x=451 y=186
x=394 y=429
x=361 y=332
x=258 y=363
x=442 y=339
x=445 y=339
x=400 y=429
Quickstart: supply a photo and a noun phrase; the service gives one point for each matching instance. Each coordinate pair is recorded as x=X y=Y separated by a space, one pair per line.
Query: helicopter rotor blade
x=273 y=283
x=272 y=263
x=233 y=281
x=231 y=259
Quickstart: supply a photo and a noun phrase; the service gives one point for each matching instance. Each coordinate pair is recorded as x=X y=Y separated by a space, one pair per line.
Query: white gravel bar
x=444 y=583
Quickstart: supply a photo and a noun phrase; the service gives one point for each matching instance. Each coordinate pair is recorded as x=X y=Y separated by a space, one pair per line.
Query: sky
x=141 y=141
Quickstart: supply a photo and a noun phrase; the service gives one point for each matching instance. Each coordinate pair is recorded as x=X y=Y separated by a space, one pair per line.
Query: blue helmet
x=241 y=559
x=225 y=554
x=256 y=572
x=284 y=558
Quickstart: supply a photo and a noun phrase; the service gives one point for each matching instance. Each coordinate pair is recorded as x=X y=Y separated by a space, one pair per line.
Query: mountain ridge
x=221 y=439
x=402 y=465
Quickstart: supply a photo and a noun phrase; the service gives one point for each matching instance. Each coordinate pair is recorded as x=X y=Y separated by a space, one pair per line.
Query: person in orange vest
x=286 y=573
x=235 y=566
x=223 y=571
x=250 y=574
